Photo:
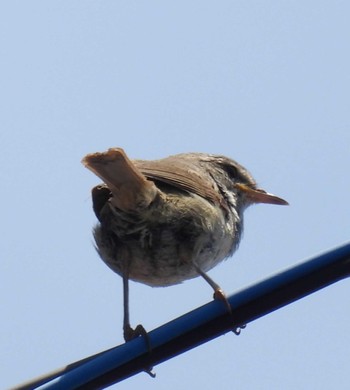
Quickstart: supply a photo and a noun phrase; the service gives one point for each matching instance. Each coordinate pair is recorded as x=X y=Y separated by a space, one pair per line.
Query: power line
x=200 y=325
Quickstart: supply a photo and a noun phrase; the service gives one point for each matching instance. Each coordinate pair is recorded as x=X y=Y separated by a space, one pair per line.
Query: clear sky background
x=264 y=82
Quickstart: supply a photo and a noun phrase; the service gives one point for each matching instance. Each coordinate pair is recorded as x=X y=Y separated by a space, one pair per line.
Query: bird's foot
x=221 y=296
x=130 y=334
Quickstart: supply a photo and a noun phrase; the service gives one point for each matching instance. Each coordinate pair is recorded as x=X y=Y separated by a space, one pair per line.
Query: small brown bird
x=164 y=221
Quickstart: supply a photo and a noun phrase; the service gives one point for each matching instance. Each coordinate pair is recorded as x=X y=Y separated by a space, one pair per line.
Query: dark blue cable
x=202 y=324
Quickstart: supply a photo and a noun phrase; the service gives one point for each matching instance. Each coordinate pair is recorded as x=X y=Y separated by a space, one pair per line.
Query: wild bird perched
x=164 y=221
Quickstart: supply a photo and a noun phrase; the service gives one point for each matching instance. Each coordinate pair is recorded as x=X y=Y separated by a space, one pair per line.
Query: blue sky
x=266 y=83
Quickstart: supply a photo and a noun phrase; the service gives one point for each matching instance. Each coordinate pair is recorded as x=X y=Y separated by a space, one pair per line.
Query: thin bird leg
x=218 y=294
x=129 y=332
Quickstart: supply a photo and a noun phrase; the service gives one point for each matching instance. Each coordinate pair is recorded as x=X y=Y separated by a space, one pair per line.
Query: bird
x=161 y=222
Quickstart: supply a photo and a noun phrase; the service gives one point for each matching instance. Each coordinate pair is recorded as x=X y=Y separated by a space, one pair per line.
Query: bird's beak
x=260 y=196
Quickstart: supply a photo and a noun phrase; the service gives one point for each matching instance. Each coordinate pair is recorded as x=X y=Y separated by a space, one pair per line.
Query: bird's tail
x=130 y=188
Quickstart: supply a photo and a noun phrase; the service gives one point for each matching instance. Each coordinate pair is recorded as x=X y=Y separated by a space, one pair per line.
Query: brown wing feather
x=127 y=179
x=180 y=174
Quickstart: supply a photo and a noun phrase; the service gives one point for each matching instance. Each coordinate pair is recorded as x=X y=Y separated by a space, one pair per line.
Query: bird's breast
x=159 y=245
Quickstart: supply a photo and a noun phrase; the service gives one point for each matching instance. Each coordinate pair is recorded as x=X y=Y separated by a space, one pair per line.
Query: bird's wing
x=180 y=174
x=127 y=179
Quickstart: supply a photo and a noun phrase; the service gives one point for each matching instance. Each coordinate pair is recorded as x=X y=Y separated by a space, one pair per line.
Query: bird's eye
x=231 y=170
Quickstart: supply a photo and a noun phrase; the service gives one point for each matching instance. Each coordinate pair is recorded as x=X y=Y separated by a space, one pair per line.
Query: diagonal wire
x=200 y=325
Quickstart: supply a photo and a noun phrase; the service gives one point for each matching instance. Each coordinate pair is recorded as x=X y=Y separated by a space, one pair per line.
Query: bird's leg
x=129 y=332
x=218 y=294
x=218 y=291
x=127 y=329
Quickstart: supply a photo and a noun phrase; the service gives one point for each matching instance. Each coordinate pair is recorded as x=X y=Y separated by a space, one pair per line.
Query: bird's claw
x=220 y=295
x=130 y=334
x=237 y=331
